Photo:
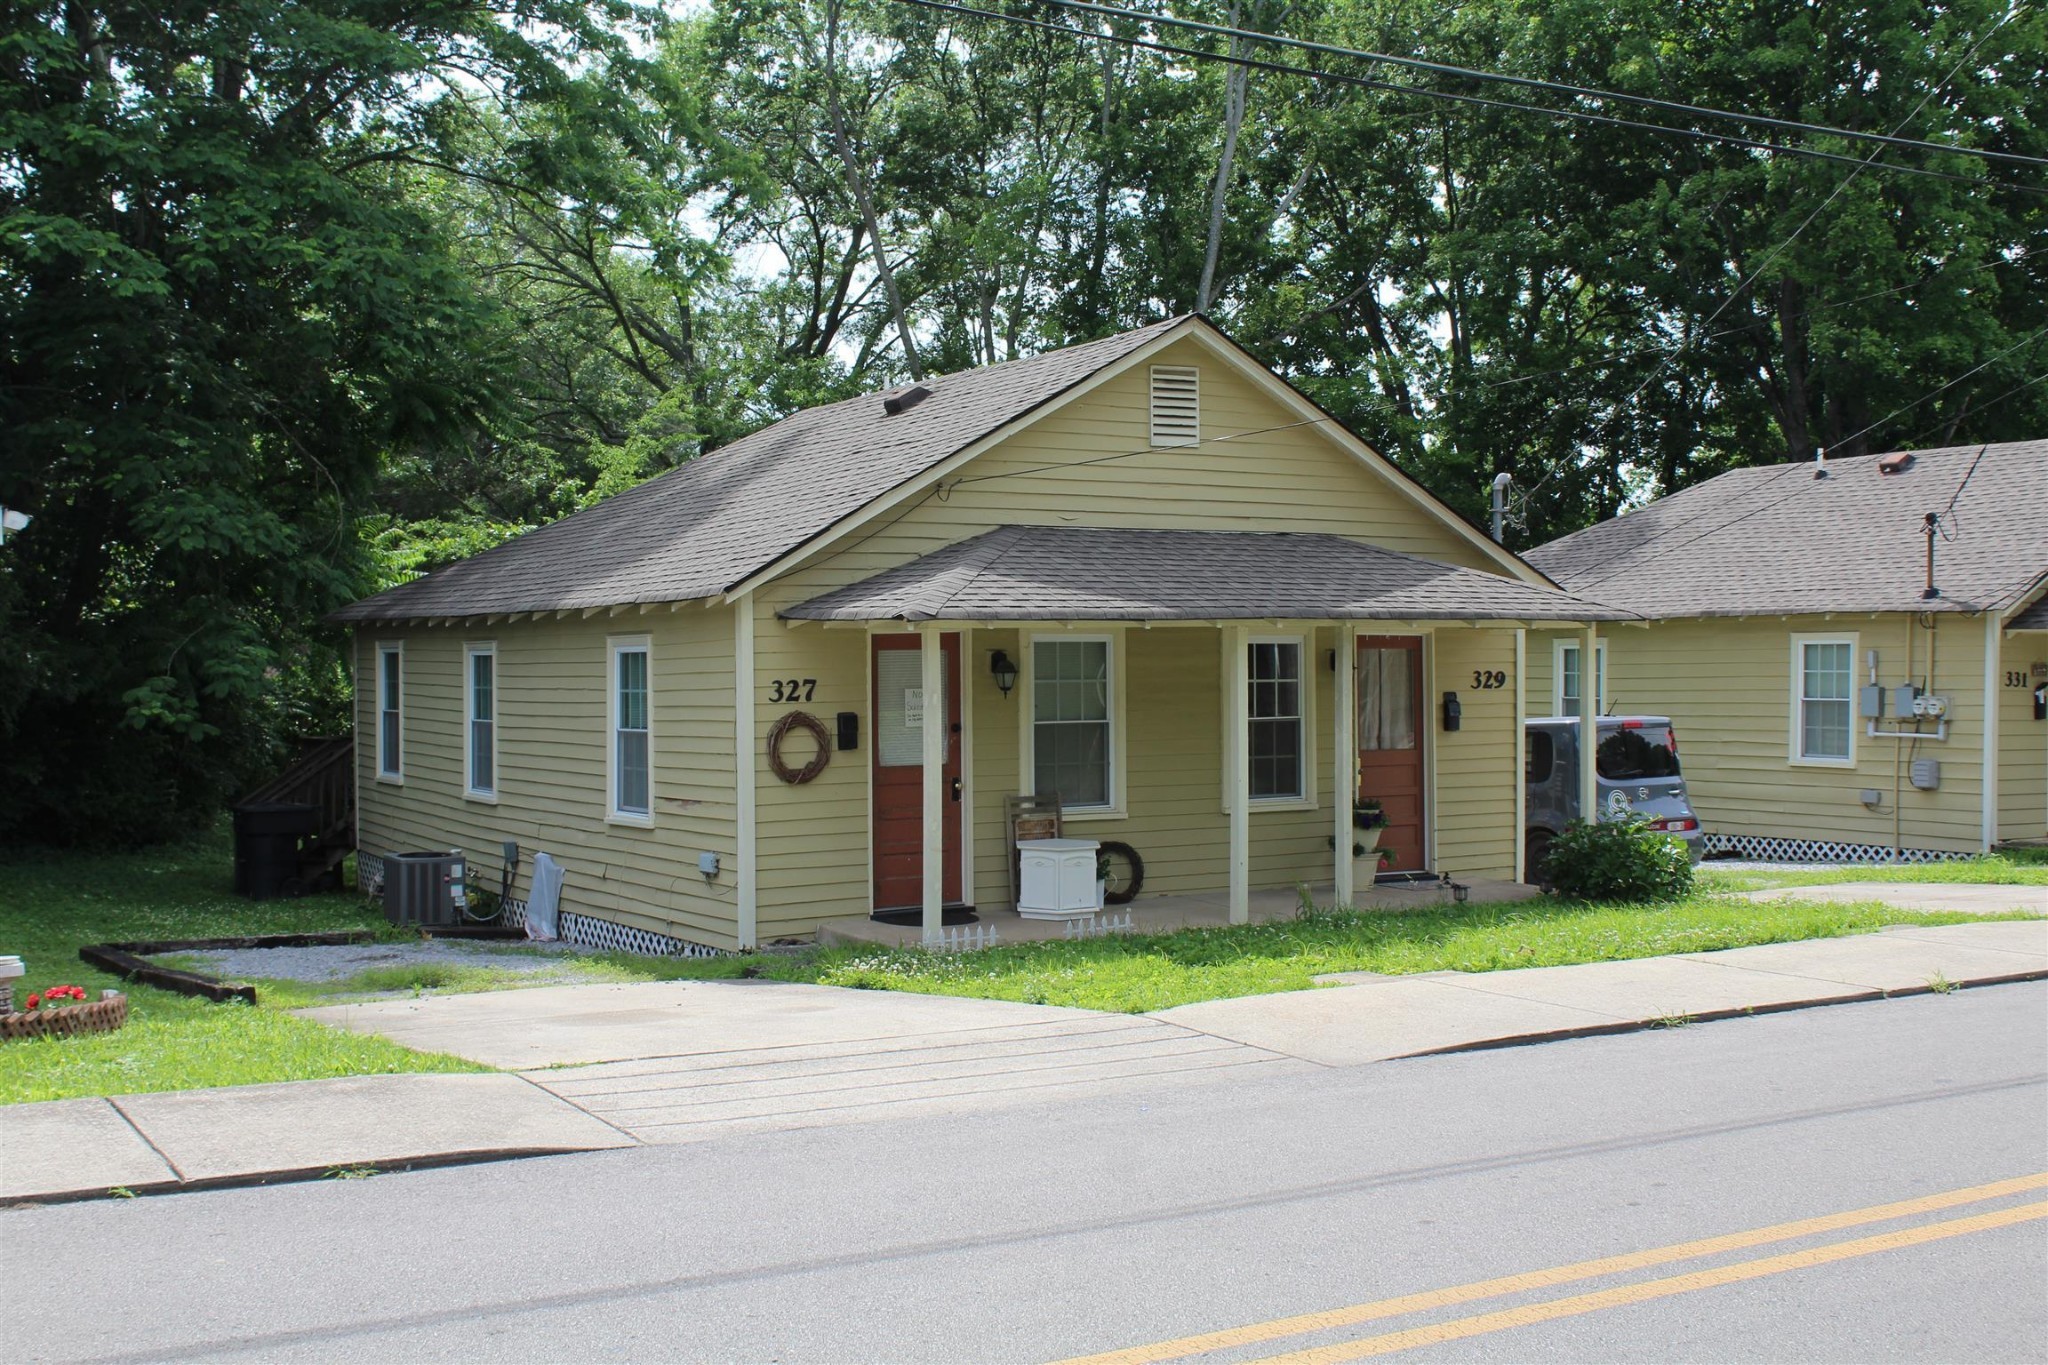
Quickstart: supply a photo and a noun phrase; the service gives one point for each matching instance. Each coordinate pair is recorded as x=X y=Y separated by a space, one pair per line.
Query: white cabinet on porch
x=1056 y=879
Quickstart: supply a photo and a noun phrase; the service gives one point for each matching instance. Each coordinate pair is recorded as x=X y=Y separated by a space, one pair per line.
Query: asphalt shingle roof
x=711 y=523
x=1072 y=573
x=1776 y=540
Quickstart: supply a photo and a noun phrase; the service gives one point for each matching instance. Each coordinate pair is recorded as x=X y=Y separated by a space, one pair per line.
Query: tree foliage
x=297 y=299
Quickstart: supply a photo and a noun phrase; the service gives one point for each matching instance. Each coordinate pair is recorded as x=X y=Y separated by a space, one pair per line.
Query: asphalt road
x=1042 y=1233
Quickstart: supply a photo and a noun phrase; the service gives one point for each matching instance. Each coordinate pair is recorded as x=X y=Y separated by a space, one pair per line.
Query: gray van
x=1637 y=773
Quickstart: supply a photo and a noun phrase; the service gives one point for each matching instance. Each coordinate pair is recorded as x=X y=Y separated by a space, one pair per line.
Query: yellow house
x=797 y=680
x=1787 y=607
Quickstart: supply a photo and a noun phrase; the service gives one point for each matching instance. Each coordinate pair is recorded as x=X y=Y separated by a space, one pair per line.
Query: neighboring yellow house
x=1143 y=572
x=1778 y=596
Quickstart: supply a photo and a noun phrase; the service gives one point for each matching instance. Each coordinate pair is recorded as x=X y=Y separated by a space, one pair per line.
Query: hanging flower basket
x=62 y=1021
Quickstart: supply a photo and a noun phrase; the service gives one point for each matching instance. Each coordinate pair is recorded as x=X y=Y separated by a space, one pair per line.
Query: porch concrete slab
x=1883 y=962
x=1969 y=898
x=63 y=1149
x=1349 y=1025
x=1191 y=910
x=295 y=1127
x=547 y=1026
x=1654 y=988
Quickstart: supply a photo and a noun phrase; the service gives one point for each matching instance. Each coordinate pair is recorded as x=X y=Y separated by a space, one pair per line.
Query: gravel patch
x=338 y=962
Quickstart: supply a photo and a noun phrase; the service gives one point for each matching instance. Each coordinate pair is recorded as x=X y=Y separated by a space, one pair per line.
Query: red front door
x=1390 y=734
x=897 y=725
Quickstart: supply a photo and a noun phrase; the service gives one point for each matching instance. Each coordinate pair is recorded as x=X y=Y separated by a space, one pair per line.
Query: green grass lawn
x=52 y=904
x=2019 y=867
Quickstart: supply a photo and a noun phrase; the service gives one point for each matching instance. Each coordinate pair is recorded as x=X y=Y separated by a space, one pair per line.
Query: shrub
x=1619 y=860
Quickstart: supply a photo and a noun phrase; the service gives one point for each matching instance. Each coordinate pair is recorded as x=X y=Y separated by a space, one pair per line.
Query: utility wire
x=1936 y=393
x=1534 y=83
x=1396 y=88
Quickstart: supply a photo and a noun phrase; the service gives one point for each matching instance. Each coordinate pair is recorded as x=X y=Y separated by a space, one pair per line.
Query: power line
x=1534 y=83
x=1393 y=87
x=1936 y=393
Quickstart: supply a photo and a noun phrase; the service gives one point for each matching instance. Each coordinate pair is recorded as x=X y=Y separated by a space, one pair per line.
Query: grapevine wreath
x=815 y=728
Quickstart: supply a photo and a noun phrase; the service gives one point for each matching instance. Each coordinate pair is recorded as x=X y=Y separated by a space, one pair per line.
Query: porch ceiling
x=1074 y=573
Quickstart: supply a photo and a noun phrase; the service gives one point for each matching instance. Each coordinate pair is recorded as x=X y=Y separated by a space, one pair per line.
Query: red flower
x=33 y=1001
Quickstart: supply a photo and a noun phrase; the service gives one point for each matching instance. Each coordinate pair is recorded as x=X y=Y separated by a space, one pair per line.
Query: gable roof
x=1076 y=573
x=726 y=519
x=710 y=523
x=1776 y=540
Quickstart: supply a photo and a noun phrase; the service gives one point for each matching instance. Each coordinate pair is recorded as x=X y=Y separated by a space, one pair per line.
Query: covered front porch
x=1189 y=910
x=1218 y=700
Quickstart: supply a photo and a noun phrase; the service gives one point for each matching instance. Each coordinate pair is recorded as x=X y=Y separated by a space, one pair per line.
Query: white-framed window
x=630 y=753
x=391 y=712
x=1176 y=405
x=1823 y=700
x=1277 y=697
x=480 y=717
x=1565 y=691
x=1073 y=744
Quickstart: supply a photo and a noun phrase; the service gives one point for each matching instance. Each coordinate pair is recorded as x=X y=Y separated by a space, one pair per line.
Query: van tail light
x=1685 y=826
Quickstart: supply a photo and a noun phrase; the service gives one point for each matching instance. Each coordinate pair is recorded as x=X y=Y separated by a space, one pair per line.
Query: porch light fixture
x=1004 y=670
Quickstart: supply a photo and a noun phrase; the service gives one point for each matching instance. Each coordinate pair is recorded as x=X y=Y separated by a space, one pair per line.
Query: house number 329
x=1486 y=679
x=793 y=689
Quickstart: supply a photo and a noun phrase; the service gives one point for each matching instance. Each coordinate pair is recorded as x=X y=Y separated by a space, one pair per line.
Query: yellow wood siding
x=1090 y=463
x=1478 y=766
x=2022 y=741
x=1727 y=685
x=552 y=734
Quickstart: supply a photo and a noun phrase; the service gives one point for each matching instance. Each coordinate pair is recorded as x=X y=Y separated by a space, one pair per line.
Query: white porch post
x=1237 y=770
x=1989 y=781
x=933 y=656
x=1589 y=721
x=1344 y=763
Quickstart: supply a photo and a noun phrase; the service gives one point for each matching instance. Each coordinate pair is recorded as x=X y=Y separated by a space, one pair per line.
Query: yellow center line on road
x=1438 y=1333
x=1254 y=1333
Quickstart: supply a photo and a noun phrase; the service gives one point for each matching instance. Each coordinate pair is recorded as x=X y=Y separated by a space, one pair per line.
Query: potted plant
x=1368 y=819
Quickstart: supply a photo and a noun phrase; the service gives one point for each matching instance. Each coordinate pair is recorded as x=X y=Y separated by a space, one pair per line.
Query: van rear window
x=1628 y=755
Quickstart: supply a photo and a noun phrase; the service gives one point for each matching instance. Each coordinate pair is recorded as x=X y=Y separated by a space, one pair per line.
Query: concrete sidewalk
x=1374 y=1019
x=184 y=1139
x=611 y=1066
x=1968 y=898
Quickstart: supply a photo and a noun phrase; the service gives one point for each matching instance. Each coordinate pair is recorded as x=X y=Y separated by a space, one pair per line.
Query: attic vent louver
x=1894 y=464
x=1176 y=405
x=906 y=400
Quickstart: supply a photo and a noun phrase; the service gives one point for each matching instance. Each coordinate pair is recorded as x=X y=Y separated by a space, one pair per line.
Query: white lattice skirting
x=607 y=937
x=1767 y=848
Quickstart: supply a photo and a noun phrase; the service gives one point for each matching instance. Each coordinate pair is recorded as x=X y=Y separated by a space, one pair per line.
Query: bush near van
x=1619 y=860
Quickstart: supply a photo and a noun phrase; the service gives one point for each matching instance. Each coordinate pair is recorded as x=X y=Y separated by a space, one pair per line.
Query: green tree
x=223 y=302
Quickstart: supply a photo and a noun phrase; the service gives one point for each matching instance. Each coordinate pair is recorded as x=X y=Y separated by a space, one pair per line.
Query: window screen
x=1276 y=728
x=1070 y=720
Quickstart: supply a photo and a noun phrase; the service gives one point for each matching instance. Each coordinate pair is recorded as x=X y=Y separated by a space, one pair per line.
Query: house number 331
x=793 y=689
x=1486 y=679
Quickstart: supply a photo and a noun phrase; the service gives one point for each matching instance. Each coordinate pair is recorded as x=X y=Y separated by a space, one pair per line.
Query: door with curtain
x=897 y=724
x=1390 y=735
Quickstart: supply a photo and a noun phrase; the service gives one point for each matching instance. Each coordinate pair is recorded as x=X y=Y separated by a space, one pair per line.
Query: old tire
x=1124 y=869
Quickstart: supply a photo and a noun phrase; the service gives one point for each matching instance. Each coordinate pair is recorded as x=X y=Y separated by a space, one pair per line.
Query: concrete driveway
x=675 y=1061
x=1967 y=898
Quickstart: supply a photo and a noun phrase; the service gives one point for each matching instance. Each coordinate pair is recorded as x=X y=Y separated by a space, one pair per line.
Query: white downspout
x=747 y=930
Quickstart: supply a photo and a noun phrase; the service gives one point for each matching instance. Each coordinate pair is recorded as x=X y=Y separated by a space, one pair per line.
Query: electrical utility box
x=425 y=890
x=1870 y=701
x=1903 y=697
x=1926 y=774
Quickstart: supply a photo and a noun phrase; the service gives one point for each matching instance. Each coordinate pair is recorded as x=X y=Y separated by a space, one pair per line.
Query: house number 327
x=1486 y=679
x=793 y=689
